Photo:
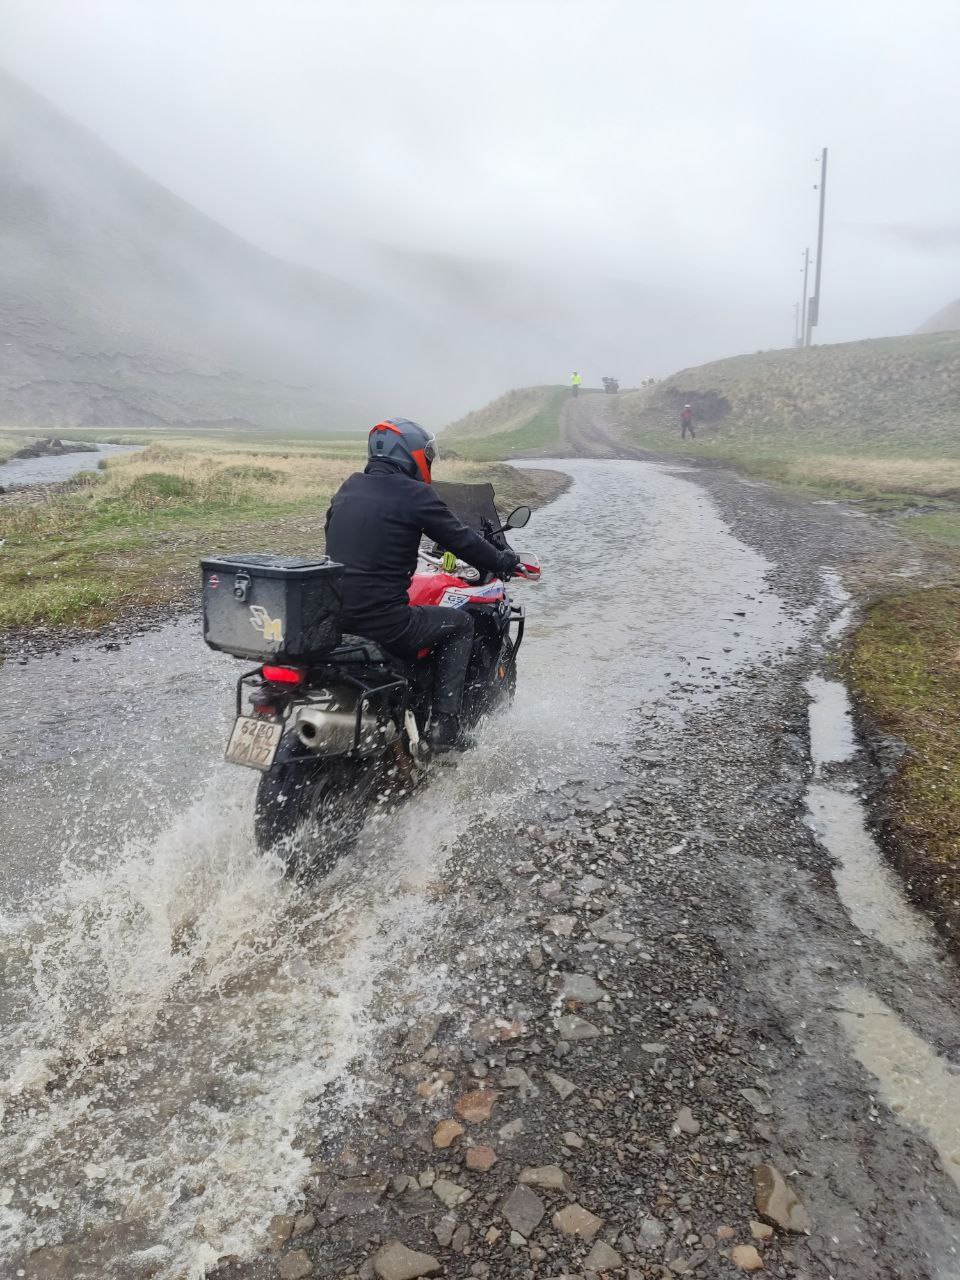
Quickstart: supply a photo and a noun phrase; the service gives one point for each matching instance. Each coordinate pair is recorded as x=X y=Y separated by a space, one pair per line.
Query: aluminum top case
x=272 y=608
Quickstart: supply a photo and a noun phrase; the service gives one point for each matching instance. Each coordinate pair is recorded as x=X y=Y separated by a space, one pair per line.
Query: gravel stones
x=602 y=1257
x=580 y=988
x=450 y=1193
x=572 y=1028
x=476 y=1106
x=524 y=1210
x=574 y=1220
x=777 y=1201
x=686 y=1122
x=560 y=1085
x=355 y=1196
x=394 y=1261
x=548 y=1176
x=746 y=1258
x=296 y=1265
x=281 y=1228
x=480 y=1158
x=446 y=1132
x=561 y=926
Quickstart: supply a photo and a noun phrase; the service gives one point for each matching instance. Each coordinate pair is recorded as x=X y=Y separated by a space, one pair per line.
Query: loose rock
x=549 y=1176
x=602 y=1258
x=296 y=1265
x=686 y=1122
x=480 y=1158
x=524 y=1210
x=581 y=988
x=573 y=1028
x=777 y=1201
x=450 y=1193
x=746 y=1257
x=574 y=1220
x=563 y=1087
x=446 y=1132
x=476 y=1106
x=394 y=1261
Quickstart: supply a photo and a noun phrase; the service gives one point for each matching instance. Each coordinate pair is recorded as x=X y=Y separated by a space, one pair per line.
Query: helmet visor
x=431 y=450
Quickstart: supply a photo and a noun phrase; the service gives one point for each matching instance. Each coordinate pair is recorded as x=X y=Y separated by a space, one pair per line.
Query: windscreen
x=470 y=503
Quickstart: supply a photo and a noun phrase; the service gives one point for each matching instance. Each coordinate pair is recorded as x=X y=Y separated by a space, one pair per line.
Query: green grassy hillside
x=890 y=397
x=523 y=422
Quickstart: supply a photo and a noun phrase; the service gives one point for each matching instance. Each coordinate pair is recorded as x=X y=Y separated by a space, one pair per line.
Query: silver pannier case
x=272 y=608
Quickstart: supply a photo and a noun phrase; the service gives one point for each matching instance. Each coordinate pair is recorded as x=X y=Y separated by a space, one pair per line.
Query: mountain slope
x=945 y=319
x=123 y=304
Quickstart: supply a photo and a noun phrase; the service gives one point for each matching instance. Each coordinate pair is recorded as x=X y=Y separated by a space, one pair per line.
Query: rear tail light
x=283 y=675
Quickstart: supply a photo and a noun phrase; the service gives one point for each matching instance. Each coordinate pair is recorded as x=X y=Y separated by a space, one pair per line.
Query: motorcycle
x=611 y=386
x=336 y=731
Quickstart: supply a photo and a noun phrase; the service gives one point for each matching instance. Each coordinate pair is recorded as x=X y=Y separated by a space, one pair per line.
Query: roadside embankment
x=521 y=423
x=123 y=543
x=904 y=664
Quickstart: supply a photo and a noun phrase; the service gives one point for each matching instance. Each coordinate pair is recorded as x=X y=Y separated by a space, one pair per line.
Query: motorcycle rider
x=575 y=381
x=374 y=526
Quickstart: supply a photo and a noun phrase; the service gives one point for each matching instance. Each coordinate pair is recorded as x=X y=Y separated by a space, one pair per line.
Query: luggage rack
x=368 y=690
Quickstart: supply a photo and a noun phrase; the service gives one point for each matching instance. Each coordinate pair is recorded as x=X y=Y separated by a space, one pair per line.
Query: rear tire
x=310 y=811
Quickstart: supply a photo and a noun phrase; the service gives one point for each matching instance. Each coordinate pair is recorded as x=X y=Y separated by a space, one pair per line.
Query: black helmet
x=411 y=446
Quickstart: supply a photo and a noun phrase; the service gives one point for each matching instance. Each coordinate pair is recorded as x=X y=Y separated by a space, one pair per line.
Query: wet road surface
x=184 y=1028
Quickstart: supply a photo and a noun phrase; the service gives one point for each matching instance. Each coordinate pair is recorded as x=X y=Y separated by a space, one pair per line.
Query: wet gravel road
x=629 y=992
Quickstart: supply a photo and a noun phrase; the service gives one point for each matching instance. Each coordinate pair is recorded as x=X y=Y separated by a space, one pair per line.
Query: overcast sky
x=670 y=142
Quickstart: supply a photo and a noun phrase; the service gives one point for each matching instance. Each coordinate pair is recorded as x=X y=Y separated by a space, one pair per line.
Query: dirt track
x=690 y=917
x=632 y=986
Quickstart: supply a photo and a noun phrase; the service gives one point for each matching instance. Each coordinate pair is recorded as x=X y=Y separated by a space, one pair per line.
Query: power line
x=813 y=307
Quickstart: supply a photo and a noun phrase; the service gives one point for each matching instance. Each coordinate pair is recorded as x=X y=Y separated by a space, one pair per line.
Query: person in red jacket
x=686 y=423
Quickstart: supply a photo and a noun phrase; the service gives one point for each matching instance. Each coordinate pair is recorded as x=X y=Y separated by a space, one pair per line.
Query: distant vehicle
x=611 y=386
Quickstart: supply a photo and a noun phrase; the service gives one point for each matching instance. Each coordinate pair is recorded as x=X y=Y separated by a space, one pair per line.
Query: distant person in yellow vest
x=575 y=381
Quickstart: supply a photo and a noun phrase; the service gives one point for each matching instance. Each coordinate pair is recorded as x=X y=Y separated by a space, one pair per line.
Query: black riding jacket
x=374 y=527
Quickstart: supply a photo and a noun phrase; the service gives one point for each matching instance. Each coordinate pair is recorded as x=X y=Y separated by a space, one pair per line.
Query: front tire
x=310 y=810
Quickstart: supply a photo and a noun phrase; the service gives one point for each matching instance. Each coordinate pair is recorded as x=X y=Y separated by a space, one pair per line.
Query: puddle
x=840 y=597
x=921 y=1088
x=868 y=887
x=831 y=727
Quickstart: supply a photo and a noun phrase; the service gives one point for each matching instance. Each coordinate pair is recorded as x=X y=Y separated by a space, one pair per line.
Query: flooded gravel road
x=193 y=1046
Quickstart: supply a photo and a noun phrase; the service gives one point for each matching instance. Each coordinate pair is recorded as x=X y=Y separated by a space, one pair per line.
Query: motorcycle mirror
x=518 y=518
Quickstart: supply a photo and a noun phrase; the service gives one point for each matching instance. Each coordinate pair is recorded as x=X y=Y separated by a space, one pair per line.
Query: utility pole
x=803 y=339
x=796 y=324
x=813 y=310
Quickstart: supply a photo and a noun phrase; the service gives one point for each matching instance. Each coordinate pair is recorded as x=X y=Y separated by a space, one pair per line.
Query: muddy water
x=175 y=1012
x=868 y=887
x=919 y=1085
x=21 y=471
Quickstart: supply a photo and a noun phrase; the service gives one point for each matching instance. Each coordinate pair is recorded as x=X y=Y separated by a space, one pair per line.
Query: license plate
x=254 y=742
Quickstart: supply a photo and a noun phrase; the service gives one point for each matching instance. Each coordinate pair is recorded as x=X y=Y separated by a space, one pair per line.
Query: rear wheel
x=310 y=811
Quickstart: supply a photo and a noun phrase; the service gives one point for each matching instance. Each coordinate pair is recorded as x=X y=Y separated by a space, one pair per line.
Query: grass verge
x=904 y=665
